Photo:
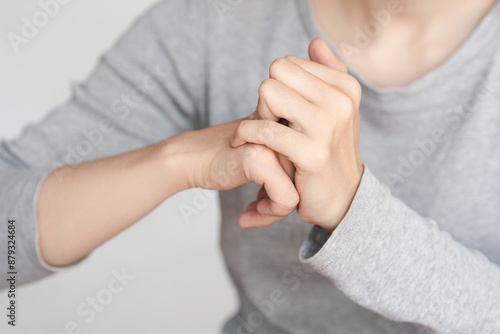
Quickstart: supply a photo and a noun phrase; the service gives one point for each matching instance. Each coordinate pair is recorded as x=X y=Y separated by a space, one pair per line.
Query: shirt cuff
x=36 y=242
x=321 y=249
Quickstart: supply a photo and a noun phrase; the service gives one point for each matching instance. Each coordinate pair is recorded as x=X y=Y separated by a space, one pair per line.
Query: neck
x=415 y=19
x=391 y=45
x=361 y=11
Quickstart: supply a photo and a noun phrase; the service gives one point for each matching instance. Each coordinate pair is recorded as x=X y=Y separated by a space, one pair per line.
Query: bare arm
x=147 y=87
x=82 y=207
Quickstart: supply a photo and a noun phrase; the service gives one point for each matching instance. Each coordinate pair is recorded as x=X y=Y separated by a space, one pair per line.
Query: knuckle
x=345 y=108
x=265 y=87
x=321 y=156
x=277 y=66
x=267 y=131
x=318 y=158
x=353 y=86
x=286 y=205
x=344 y=102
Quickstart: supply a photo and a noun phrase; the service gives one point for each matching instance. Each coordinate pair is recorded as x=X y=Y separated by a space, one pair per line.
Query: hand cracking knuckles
x=319 y=149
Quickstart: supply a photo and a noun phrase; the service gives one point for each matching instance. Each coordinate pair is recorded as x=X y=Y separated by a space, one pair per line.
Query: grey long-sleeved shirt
x=419 y=249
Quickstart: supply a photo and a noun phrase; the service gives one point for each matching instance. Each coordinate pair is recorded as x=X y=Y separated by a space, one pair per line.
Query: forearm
x=387 y=258
x=82 y=206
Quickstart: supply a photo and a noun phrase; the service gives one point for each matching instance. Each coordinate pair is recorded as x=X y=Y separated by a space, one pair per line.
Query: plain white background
x=180 y=283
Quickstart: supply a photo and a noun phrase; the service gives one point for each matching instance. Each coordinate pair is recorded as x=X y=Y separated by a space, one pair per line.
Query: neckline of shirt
x=480 y=40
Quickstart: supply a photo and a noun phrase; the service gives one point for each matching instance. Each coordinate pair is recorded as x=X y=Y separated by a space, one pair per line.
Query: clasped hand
x=312 y=165
x=320 y=101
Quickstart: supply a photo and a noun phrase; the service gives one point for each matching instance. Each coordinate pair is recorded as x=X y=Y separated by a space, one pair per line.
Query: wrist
x=334 y=219
x=175 y=164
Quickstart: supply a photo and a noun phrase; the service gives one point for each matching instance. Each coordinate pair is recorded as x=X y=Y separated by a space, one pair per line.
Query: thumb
x=320 y=53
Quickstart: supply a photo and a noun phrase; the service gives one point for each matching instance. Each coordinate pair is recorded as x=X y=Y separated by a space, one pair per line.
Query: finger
x=279 y=101
x=263 y=205
x=319 y=52
x=342 y=81
x=307 y=85
x=266 y=207
x=275 y=136
x=253 y=205
x=288 y=166
x=267 y=171
x=263 y=111
x=252 y=219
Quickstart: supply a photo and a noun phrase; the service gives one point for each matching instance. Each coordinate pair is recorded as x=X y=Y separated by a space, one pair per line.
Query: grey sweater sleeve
x=387 y=258
x=143 y=91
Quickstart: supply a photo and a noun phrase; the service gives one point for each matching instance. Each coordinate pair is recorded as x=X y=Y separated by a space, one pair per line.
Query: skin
x=312 y=166
x=101 y=198
x=415 y=42
x=320 y=101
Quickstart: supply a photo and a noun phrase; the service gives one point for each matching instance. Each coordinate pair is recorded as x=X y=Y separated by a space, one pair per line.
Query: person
x=370 y=156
